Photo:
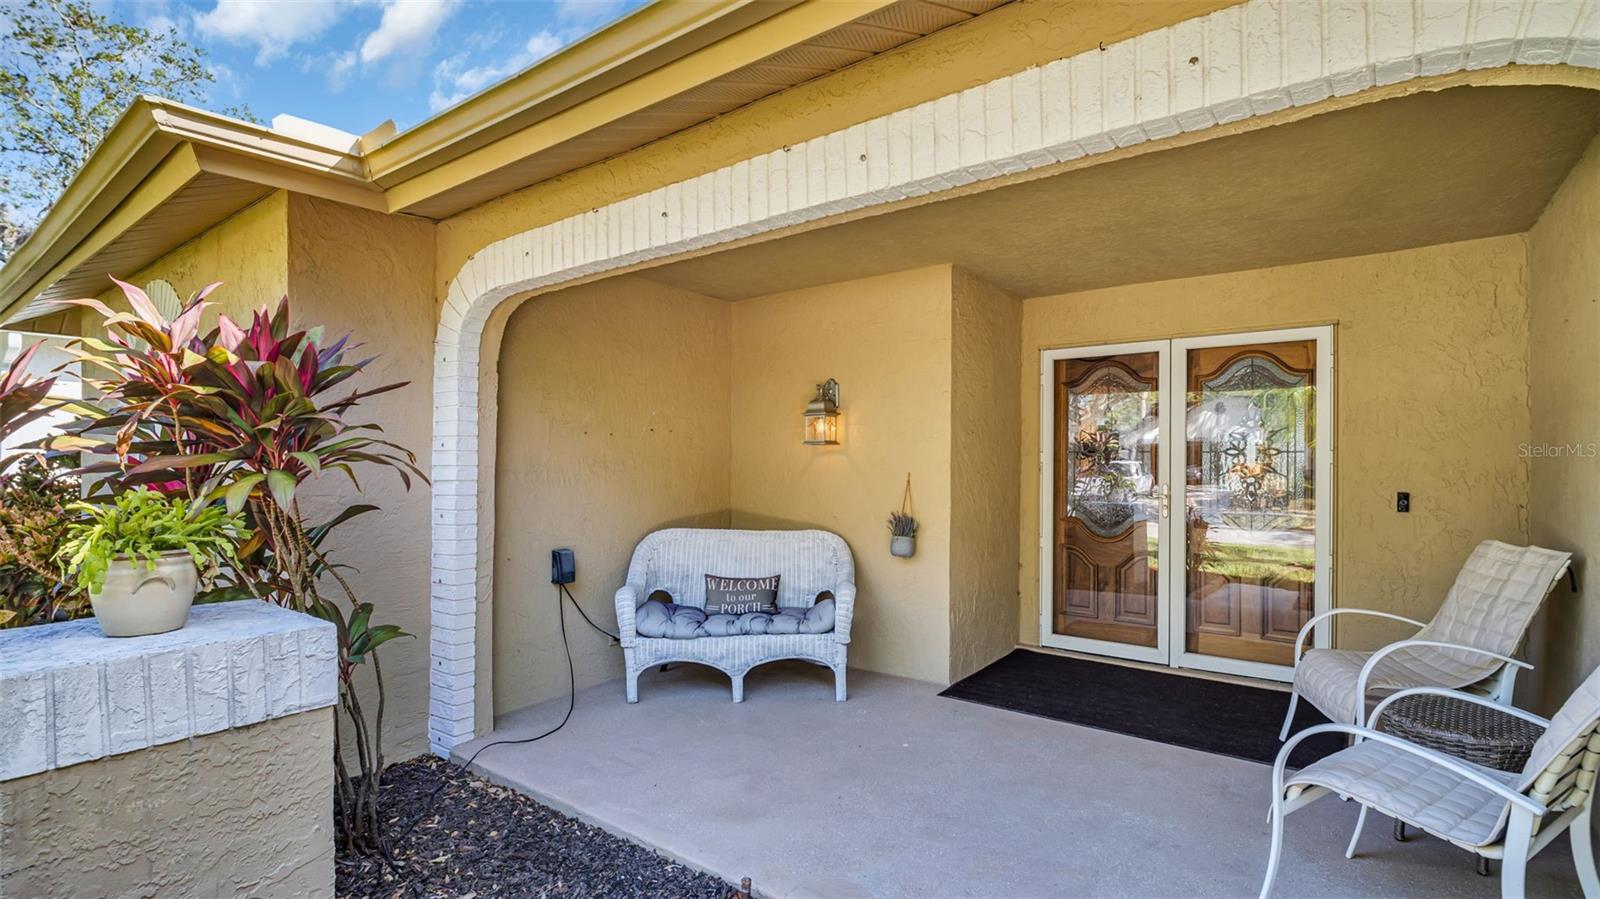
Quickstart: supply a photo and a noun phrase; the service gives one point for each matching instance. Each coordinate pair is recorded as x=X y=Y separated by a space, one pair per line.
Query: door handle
x=1166 y=501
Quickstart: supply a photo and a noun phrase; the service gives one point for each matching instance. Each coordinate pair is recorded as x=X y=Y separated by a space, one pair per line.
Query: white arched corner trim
x=1244 y=61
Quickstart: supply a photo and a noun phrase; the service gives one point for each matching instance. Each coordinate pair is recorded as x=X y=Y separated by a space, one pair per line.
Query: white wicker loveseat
x=676 y=561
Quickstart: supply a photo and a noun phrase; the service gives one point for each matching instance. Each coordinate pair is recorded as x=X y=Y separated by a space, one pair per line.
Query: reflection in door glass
x=1107 y=522
x=1251 y=498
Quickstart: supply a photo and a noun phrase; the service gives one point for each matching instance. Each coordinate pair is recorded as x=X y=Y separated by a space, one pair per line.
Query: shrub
x=34 y=493
x=33 y=528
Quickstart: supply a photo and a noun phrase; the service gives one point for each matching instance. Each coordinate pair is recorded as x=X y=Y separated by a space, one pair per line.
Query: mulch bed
x=484 y=840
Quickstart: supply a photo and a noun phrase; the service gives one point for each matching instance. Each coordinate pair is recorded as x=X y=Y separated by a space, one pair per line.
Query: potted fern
x=139 y=557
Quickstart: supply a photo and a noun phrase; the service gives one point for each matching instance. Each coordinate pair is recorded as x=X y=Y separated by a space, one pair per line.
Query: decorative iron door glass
x=1215 y=553
x=1107 y=541
x=1250 y=498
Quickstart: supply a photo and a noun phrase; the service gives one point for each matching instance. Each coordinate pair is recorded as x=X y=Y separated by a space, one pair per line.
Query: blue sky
x=353 y=63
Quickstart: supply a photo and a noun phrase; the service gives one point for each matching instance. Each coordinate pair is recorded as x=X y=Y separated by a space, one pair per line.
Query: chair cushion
x=1401 y=784
x=1327 y=678
x=664 y=619
x=674 y=622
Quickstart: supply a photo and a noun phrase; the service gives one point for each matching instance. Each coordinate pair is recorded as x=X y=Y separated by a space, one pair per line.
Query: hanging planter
x=903 y=527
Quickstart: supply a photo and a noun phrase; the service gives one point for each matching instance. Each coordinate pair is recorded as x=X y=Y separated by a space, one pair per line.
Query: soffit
x=1458 y=164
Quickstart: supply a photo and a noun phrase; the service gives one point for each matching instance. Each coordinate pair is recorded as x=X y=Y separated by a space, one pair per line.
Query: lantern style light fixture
x=822 y=416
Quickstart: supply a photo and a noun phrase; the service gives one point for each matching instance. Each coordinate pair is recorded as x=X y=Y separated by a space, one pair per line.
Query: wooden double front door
x=1186 y=495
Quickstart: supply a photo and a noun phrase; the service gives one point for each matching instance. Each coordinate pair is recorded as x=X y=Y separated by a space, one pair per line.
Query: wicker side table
x=1466 y=730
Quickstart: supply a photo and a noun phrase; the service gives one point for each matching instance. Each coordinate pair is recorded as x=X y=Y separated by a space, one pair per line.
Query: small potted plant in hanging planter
x=902 y=535
x=140 y=557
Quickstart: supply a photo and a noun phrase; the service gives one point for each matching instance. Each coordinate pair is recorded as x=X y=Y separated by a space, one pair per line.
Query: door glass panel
x=1250 y=497
x=1107 y=504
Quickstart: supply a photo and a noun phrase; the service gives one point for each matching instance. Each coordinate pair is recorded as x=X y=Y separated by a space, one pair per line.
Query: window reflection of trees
x=1250 y=422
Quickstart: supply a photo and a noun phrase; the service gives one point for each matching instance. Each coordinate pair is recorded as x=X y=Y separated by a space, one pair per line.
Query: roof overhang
x=666 y=67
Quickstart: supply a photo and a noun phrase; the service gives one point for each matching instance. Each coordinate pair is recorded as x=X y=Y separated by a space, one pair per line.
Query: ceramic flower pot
x=137 y=600
x=902 y=547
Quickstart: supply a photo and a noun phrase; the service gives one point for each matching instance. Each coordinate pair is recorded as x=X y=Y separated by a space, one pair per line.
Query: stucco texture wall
x=998 y=43
x=887 y=341
x=613 y=422
x=248 y=252
x=370 y=275
x=1431 y=397
x=986 y=330
x=246 y=812
x=1563 y=465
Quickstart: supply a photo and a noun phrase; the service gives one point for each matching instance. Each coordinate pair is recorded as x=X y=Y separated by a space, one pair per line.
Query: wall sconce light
x=822 y=415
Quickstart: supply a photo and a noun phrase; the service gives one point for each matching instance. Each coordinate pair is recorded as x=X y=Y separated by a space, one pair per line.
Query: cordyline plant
x=21 y=402
x=244 y=416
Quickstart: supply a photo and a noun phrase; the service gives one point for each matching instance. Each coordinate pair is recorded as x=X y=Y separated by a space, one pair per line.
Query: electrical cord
x=585 y=615
x=572 y=701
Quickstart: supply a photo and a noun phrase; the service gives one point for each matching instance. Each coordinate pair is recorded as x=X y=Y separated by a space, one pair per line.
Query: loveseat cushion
x=663 y=619
x=674 y=622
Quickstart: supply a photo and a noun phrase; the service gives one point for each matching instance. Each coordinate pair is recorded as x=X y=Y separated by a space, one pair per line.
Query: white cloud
x=272 y=26
x=407 y=25
x=454 y=80
x=339 y=69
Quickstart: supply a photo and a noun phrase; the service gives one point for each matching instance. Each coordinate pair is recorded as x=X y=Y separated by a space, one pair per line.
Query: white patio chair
x=1467 y=645
x=1496 y=814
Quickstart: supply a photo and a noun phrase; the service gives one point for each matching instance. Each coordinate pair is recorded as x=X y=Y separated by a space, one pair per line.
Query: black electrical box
x=1402 y=502
x=563 y=570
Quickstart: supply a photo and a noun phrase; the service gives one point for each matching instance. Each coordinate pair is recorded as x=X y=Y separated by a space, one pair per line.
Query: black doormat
x=1228 y=719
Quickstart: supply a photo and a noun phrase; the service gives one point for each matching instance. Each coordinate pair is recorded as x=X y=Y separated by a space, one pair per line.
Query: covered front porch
x=1408 y=229
x=903 y=793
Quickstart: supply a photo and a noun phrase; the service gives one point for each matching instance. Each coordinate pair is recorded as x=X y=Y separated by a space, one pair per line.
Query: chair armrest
x=1305 y=629
x=1372 y=662
x=1438 y=759
x=844 y=610
x=1513 y=711
x=628 y=602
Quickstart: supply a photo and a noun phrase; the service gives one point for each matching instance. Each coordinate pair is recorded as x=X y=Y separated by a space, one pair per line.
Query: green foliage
x=66 y=73
x=902 y=525
x=141 y=525
x=33 y=527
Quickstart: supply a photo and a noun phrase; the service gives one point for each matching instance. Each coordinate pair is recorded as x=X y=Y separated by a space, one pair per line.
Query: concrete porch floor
x=899 y=792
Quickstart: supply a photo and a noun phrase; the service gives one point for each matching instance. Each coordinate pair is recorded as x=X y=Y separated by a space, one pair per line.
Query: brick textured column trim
x=1236 y=63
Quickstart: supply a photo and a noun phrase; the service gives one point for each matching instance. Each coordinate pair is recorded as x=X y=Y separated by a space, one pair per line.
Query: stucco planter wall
x=195 y=762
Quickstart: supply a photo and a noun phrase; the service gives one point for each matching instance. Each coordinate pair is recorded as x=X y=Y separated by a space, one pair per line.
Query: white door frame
x=1322 y=472
x=1158 y=654
x=1171 y=588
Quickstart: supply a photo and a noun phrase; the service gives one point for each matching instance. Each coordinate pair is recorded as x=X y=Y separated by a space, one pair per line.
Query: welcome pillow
x=741 y=595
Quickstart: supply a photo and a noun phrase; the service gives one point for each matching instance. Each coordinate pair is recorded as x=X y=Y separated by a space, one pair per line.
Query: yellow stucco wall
x=614 y=422
x=986 y=333
x=367 y=274
x=242 y=812
x=1564 y=468
x=1431 y=394
x=248 y=252
x=998 y=43
x=887 y=341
